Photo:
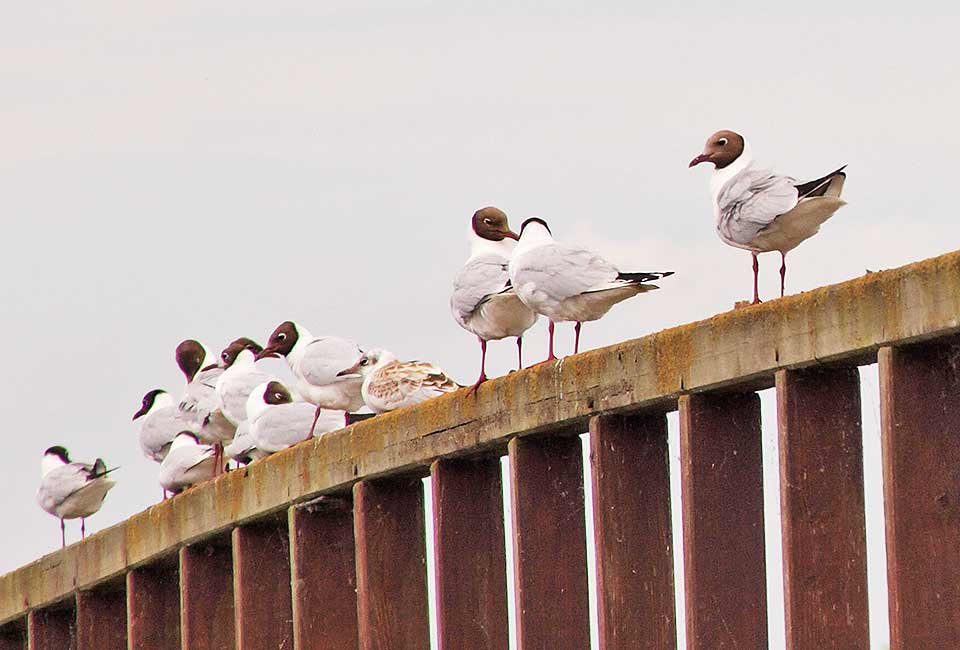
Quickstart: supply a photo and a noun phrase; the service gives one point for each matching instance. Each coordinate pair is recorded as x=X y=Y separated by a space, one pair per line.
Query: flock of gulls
x=230 y=410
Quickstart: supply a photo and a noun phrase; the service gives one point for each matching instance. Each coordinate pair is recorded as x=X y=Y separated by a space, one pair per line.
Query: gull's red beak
x=266 y=353
x=512 y=235
x=699 y=159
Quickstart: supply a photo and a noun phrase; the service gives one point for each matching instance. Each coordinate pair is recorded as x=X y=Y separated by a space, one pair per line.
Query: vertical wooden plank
x=206 y=596
x=920 y=429
x=823 y=521
x=263 y=616
x=13 y=636
x=323 y=567
x=722 y=492
x=391 y=565
x=633 y=532
x=549 y=539
x=153 y=608
x=102 y=619
x=51 y=629
x=471 y=555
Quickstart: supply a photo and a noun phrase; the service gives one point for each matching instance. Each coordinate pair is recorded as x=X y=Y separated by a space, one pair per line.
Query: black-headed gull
x=239 y=378
x=278 y=421
x=199 y=396
x=483 y=301
x=189 y=462
x=389 y=384
x=71 y=490
x=317 y=363
x=162 y=421
x=762 y=211
x=569 y=283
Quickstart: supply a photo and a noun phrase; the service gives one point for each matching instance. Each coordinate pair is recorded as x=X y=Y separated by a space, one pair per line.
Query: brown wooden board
x=13 y=635
x=102 y=619
x=470 y=554
x=549 y=541
x=633 y=532
x=261 y=586
x=391 y=565
x=51 y=629
x=721 y=464
x=323 y=566
x=206 y=595
x=821 y=497
x=920 y=424
x=153 y=608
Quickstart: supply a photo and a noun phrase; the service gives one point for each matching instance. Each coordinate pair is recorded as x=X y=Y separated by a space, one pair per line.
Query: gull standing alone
x=389 y=384
x=71 y=490
x=189 y=462
x=318 y=364
x=569 y=283
x=483 y=301
x=277 y=421
x=761 y=211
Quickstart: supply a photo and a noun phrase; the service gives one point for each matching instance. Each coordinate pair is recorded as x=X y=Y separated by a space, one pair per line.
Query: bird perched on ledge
x=569 y=283
x=71 y=490
x=483 y=301
x=761 y=211
x=390 y=384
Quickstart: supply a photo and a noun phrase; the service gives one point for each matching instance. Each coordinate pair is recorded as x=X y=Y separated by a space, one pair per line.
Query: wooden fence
x=323 y=546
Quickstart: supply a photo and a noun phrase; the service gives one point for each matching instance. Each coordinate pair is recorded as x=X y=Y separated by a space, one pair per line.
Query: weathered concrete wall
x=741 y=348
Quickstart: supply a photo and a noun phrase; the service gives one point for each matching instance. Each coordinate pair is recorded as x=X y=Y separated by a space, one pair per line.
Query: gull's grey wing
x=61 y=483
x=158 y=430
x=563 y=271
x=283 y=425
x=479 y=279
x=200 y=396
x=325 y=357
x=233 y=393
x=750 y=201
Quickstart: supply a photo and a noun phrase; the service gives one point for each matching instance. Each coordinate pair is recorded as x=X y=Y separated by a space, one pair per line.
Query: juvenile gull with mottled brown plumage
x=390 y=384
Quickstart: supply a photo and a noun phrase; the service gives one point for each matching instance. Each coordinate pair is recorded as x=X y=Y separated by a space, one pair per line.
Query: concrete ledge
x=846 y=322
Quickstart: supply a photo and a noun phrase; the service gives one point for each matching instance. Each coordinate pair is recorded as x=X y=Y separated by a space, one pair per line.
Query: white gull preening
x=569 y=283
x=71 y=490
x=761 y=211
x=199 y=397
x=483 y=301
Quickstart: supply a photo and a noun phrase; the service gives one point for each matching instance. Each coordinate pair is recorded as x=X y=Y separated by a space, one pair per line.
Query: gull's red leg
x=519 y=353
x=756 y=273
x=576 y=338
x=83 y=528
x=316 y=416
x=483 y=367
x=63 y=534
x=783 y=271
x=551 y=356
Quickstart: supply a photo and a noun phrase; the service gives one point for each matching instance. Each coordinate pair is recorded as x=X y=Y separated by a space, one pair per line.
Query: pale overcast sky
x=208 y=170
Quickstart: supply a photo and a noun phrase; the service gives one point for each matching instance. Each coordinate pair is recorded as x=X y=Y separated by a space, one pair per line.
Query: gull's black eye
x=281 y=336
x=277 y=396
x=722 y=142
x=488 y=221
x=364 y=361
x=225 y=356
